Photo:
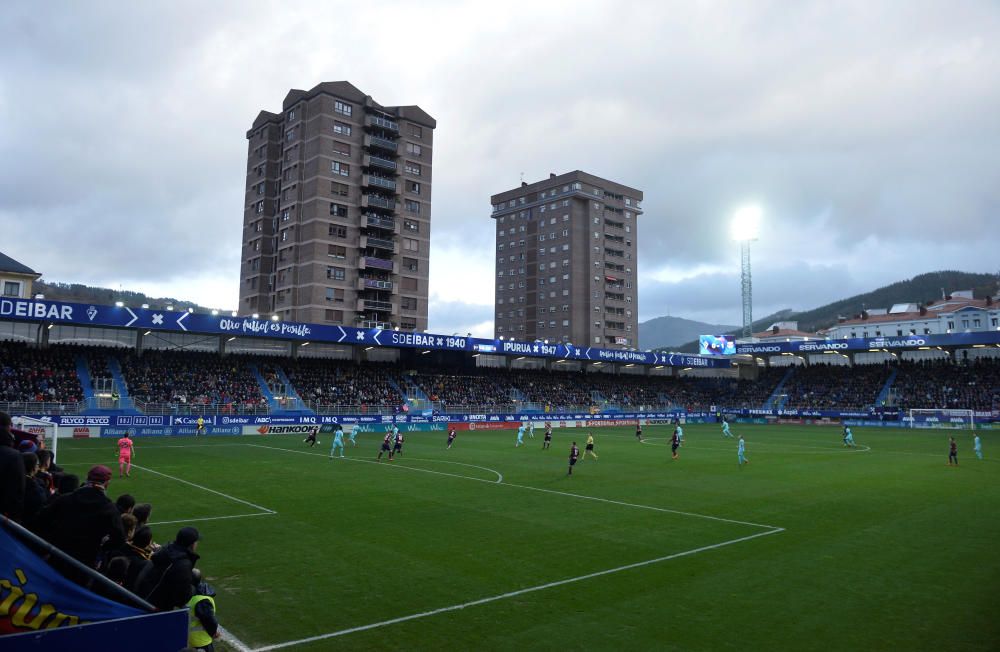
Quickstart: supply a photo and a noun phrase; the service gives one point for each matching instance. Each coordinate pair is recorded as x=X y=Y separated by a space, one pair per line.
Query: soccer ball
x=318 y=441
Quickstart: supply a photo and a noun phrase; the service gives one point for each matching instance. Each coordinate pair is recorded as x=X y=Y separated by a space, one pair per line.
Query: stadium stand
x=822 y=386
x=943 y=384
x=36 y=375
x=324 y=384
x=187 y=378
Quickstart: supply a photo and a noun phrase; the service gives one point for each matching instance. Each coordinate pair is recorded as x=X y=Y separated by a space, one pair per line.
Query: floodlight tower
x=745 y=229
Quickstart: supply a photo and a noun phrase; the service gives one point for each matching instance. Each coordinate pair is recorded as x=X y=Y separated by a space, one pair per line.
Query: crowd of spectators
x=191 y=378
x=31 y=374
x=112 y=538
x=972 y=384
x=821 y=386
x=331 y=383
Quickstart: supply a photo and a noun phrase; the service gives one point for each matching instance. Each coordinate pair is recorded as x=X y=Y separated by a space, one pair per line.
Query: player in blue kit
x=725 y=428
x=338 y=442
x=354 y=433
x=679 y=433
x=848 y=437
x=977 y=446
x=741 y=452
x=520 y=436
x=531 y=429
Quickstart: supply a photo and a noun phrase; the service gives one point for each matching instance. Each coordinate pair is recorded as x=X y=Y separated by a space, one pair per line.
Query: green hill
x=919 y=289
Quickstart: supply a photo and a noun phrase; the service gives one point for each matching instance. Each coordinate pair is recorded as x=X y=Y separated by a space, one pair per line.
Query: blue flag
x=34 y=596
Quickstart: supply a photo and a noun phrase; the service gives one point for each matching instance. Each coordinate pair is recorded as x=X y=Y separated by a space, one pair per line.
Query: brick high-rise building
x=336 y=224
x=566 y=261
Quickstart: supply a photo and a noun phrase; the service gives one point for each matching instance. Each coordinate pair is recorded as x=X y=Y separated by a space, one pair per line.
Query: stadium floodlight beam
x=745 y=228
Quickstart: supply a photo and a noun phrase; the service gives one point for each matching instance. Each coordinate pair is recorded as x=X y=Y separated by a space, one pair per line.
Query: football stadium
x=721 y=503
x=470 y=351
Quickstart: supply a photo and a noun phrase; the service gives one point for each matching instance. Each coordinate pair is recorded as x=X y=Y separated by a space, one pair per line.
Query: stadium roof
x=782 y=333
x=11 y=266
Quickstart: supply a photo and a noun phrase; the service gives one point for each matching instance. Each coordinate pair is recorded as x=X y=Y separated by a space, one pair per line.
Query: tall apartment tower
x=566 y=261
x=337 y=217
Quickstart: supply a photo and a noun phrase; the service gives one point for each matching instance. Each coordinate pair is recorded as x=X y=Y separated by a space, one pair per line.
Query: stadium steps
x=124 y=398
x=884 y=394
x=772 y=401
x=265 y=391
x=86 y=382
x=411 y=390
x=294 y=403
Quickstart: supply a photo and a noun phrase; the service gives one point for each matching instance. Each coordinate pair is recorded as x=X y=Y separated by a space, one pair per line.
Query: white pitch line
x=511 y=594
x=212 y=518
x=203 y=488
x=548 y=491
x=228 y=637
x=387 y=464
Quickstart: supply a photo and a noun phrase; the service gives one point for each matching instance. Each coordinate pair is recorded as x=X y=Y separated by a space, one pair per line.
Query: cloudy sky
x=869 y=133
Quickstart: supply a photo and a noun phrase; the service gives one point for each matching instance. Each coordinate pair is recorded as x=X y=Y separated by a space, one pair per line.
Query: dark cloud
x=868 y=133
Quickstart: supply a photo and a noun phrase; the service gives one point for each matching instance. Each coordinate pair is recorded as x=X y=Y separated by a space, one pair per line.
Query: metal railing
x=40 y=407
x=381 y=202
x=381 y=243
x=376 y=305
x=378 y=161
x=206 y=409
x=378 y=285
x=380 y=222
x=376 y=121
x=381 y=182
x=383 y=143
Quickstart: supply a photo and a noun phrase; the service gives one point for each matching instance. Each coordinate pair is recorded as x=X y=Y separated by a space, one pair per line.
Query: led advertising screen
x=717 y=345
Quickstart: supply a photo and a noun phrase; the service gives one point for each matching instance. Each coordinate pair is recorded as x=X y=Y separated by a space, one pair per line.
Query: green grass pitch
x=488 y=547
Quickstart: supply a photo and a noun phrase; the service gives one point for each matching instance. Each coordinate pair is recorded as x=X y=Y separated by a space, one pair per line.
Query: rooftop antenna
x=522 y=177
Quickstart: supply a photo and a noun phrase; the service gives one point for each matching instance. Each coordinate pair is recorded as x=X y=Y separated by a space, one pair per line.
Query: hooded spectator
x=168 y=582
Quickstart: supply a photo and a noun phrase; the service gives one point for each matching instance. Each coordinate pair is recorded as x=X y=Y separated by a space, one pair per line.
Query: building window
x=342 y=108
x=336 y=251
x=413 y=187
x=413 y=149
x=335 y=315
x=11 y=289
x=341 y=148
x=411 y=225
x=335 y=294
x=409 y=244
x=413 y=206
x=416 y=131
x=343 y=169
x=338 y=210
x=339 y=189
x=409 y=284
x=414 y=169
x=410 y=264
x=408 y=303
x=336 y=273
x=341 y=128
x=337 y=231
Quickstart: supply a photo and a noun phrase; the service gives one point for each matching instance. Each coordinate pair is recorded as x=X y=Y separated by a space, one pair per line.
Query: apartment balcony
x=379 y=243
x=365 y=323
x=372 y=304
x=381 y=123
x=372 y=161
x=383 y=144
x=380 y=182
x=608 y=296
x=377 y=263
x=377 y=201
x=374 y=284
x=379 y=222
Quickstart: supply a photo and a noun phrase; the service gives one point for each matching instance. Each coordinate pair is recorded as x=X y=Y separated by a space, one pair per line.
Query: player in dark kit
x=547 y=441
x=398 y=446
x=574 y=455
x=386 y=448
x=675 y=442
x=311 y=437
x=638 y=431
x=451 y=437
x=952 y=452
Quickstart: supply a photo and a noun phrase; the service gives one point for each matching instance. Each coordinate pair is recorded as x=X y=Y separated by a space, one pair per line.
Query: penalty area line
x=511 y=594
x=203 y=488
